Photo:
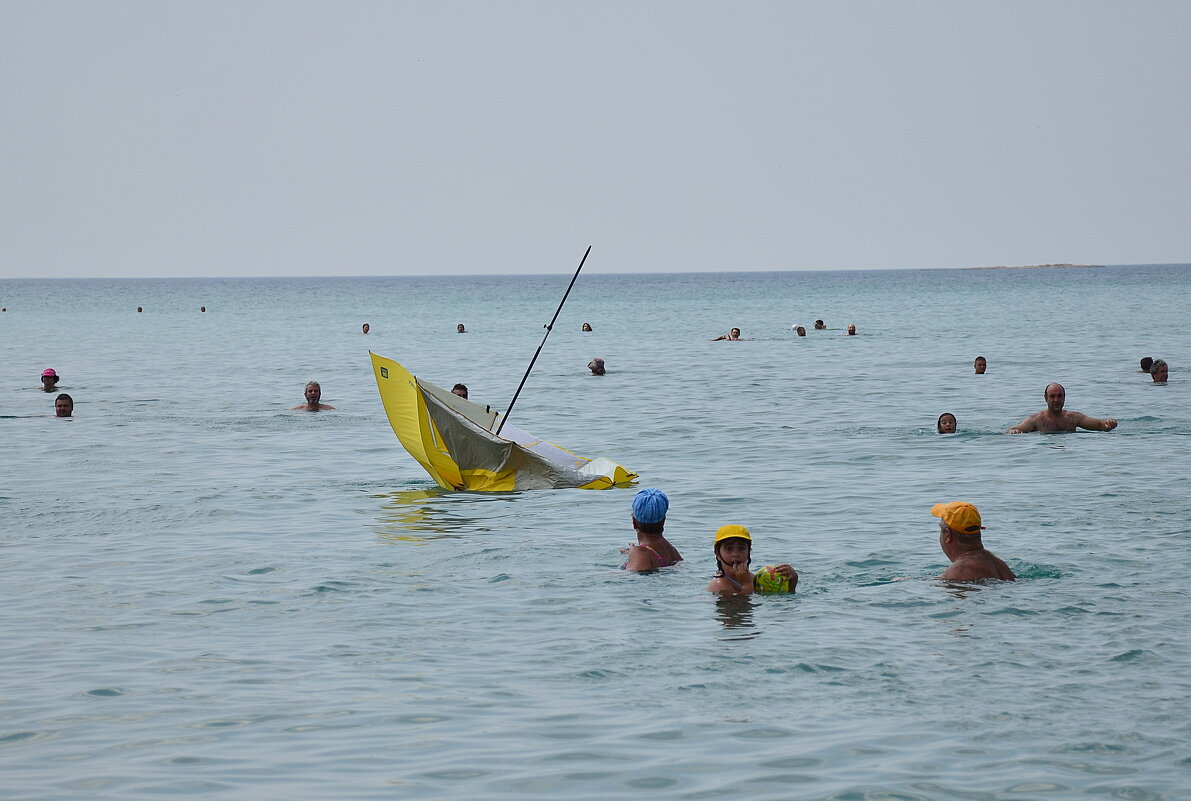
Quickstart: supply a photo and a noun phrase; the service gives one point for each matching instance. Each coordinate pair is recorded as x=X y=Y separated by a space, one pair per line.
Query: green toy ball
x=768 y=579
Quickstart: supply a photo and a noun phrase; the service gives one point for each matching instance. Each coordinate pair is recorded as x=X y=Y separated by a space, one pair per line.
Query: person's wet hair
x=1147 y=363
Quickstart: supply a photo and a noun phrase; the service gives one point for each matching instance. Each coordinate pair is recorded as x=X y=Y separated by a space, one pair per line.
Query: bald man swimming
x=1053 y=418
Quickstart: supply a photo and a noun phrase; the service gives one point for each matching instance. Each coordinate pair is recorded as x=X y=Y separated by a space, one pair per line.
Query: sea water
x=208 y=594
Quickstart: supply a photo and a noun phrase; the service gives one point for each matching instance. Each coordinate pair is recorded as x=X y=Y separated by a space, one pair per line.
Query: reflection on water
x=407 y=511
x=736 y=612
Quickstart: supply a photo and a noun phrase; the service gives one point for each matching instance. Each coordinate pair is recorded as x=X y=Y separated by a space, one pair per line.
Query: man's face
x=63 y=407
x=365 y=328
x=736 y=333
x=981 y=366
x=1161 y=373
x=1056 y=396
x=313 y=393
x=947 y=424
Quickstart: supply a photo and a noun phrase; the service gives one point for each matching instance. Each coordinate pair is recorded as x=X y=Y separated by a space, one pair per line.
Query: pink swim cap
x=48 y=371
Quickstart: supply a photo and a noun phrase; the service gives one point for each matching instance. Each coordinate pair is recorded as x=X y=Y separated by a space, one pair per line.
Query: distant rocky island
x=1030 y=267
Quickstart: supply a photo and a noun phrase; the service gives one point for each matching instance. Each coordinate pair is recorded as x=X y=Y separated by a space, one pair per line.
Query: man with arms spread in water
x=649 y=520
x=731 y=336
x=959 y=536
x=1053 y=418
x=313 y=393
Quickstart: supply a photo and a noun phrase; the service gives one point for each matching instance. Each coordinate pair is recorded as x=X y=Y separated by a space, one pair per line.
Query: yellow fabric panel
x=407 y=415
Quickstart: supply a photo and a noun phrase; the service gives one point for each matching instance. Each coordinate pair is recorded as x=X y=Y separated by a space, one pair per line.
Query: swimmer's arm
x=788 y=573
x=1095 y=423
x=717 y=339
x=1024 y=427
x=640 y=559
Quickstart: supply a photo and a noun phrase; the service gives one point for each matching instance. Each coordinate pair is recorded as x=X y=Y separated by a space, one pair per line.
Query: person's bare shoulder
x=719 y=584
x=640 y=559
x=976 y=568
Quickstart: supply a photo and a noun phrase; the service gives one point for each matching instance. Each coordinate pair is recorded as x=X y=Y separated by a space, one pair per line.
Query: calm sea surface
x=206 y=594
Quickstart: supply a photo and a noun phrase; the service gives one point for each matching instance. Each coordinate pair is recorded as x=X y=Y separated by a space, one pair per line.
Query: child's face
x=734 y=551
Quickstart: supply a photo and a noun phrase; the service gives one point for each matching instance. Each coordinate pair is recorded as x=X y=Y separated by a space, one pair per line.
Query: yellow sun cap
x=728 y=532
x=960 y=516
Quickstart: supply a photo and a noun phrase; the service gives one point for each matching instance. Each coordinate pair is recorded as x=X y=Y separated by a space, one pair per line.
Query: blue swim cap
x=650 y=506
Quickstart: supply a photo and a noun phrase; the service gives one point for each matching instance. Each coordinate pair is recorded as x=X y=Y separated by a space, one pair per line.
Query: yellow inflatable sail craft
x=453 y=439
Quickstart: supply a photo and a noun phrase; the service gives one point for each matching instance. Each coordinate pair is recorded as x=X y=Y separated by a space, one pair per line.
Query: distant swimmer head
x=63 y=405
x=820 y=325
x=313 y=392
x=851 y=329
x=980 y=365
x=587 y=326
x=461 y=329
x=1159 y=370
x=460 y=390
x=650 y=506
x=202 y=308
x=1146 y=364
x=800 y=331
x=596 y=366
x=959 y=516
x=946 y=423
x=48 y=378
x=365 y=328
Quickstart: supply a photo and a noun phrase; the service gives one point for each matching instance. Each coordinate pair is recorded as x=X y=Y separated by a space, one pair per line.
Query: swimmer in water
x=596 y=366
x=733 y=549
x=1146 y=364
x=851 y=329
x=587 y=326
x=365 y=328
x=313 y=393
x=731 y=336
x=980 y=365
x=1053 y=419
x=1159 y=371
x=798 y=329
x=946 y=423
x=63 y=406
x=460 y=390
x=820 y=325
x=959 y=537
x=460 y=329
x=49 y=380
x=652 y=550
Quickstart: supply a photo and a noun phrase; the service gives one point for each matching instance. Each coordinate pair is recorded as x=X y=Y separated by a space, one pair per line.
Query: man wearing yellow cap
x=959 y=536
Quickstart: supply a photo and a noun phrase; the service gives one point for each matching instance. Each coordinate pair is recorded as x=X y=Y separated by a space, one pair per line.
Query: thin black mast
x=549 y=327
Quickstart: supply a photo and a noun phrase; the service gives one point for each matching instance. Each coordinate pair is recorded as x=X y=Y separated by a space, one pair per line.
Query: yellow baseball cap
x=959 y=516
x=728 y=532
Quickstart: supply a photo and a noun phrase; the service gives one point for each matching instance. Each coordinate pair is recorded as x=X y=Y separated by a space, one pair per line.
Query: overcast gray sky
x=375 y=138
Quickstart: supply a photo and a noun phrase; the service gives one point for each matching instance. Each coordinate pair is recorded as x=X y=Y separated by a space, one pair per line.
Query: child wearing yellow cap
x=733 y=549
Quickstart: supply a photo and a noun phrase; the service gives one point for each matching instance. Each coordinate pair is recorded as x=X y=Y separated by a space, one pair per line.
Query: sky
x=163 y=139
